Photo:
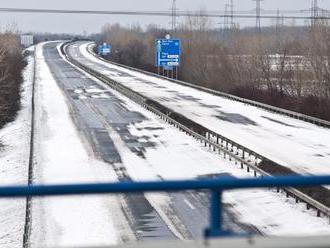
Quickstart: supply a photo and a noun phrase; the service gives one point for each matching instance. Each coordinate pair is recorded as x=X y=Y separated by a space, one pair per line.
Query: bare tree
x=11 y=66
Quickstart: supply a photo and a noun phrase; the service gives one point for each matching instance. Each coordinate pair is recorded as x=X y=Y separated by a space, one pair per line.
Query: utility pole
x=225 y=18
x=231 y=4
x=278 y=28
x=228 y=22
x=314 y=12
x=174 y=15
x=258 y=15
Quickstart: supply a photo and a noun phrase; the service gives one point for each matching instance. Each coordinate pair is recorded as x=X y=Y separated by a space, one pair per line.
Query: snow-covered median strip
x=63 y=158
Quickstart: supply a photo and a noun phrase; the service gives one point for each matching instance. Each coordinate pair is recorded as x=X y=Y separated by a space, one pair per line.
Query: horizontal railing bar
x=222 y=183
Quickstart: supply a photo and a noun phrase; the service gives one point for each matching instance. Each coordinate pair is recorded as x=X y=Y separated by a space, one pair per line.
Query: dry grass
x=11 y=67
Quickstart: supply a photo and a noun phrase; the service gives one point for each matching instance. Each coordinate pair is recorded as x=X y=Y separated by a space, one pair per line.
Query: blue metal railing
x=215 y=186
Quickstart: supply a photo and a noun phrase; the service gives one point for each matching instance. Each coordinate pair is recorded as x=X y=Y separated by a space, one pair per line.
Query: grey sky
x=93 y=23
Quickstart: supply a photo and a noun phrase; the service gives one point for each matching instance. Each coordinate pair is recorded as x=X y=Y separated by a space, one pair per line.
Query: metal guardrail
x=292 y=114
x=219 y=143
x=215 y=186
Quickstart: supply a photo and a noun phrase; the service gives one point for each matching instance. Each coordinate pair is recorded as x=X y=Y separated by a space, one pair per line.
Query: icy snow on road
x=301 y=146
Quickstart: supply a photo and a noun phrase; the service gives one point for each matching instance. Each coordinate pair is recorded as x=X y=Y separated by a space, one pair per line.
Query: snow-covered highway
x=87 y=132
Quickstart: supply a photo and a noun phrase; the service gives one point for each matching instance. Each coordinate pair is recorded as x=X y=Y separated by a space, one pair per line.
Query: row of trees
x=11 y=67
x=288 y=68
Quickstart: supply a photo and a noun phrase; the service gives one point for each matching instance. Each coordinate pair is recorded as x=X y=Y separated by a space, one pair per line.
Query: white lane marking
x=170 y=221
x=189 y=204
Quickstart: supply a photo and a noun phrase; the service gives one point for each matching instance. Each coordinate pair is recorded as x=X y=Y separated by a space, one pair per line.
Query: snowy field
x=301 y=146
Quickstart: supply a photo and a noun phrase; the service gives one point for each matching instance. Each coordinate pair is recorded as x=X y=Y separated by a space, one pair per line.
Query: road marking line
x=189 y=204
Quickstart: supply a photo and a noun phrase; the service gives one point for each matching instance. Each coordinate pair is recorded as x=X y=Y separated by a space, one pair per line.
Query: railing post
x=216 y=212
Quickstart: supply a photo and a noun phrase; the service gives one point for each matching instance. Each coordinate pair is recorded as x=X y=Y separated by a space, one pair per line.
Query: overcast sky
x=93 y=23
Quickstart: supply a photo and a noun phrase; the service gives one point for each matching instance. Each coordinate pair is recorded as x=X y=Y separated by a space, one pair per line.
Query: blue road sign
x=167 y=52
x=104 y=49
x=99 y=49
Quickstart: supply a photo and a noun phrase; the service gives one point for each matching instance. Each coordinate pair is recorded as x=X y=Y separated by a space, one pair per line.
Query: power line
x=210 y=14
